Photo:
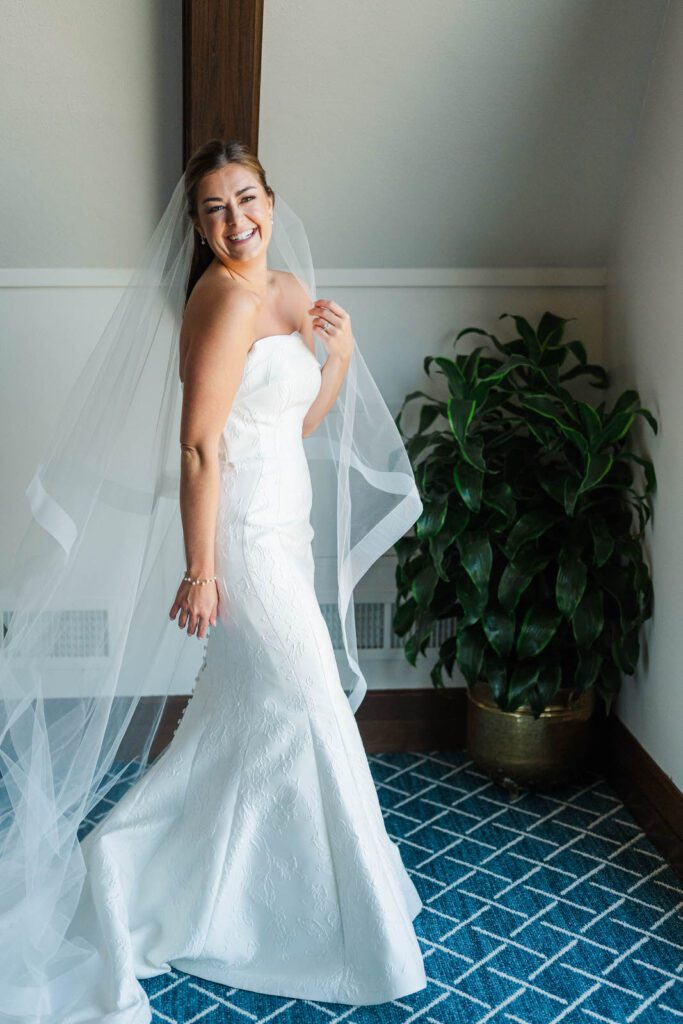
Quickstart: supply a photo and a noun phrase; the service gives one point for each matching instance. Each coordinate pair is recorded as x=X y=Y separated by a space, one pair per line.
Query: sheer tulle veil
x=90 y=655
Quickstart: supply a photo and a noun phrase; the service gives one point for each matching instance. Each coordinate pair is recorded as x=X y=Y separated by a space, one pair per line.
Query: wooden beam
x=221 y=71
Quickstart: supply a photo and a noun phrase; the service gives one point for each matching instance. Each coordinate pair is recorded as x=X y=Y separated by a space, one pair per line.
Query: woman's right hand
x=198 y=607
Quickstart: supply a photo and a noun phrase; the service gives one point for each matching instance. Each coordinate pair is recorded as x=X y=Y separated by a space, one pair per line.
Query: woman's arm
x=339 y=342
x=213 y=372
x=221 y=331
x=332 y=375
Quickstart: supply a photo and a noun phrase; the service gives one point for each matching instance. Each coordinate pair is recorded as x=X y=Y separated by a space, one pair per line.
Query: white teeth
x=245 y=234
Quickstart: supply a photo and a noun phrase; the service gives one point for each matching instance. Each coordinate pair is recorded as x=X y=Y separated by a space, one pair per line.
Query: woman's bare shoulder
x=291 y=285
x=299 y=302
x=213 y=299
x=212 y=293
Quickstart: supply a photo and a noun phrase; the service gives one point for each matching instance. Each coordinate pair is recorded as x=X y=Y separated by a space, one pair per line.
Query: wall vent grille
x=74 y=633
x=84 y=633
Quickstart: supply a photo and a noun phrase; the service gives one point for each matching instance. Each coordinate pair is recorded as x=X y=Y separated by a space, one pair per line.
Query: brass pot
x=517 y=750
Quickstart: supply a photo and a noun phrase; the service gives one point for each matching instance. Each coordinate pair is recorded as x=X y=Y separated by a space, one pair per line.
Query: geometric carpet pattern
x=539 y=908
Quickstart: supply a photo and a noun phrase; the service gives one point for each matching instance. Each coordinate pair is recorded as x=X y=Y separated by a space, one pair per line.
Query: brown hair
x=211 y=156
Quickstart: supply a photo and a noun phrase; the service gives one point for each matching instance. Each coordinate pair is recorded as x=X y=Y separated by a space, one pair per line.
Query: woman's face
x=230 y=202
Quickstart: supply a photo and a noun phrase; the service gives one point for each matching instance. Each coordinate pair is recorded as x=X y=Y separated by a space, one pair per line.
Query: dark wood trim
x=414 y=719
x=650 y=795
x=221 y=71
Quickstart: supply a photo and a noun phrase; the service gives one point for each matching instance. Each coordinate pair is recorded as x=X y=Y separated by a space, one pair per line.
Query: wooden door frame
x=221 y=71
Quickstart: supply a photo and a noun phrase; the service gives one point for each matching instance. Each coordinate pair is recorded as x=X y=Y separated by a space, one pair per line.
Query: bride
x=253 y=852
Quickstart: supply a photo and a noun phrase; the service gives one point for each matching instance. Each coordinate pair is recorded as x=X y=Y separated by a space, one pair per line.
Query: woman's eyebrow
x=218 y=199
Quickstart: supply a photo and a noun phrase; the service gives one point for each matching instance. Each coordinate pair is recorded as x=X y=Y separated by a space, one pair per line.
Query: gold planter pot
x=517 y=750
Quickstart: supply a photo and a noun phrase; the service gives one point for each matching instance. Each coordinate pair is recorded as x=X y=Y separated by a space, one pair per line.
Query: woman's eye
x=214 y=208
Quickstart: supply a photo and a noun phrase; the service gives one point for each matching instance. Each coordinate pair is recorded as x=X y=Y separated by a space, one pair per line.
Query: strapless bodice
x=280 y=381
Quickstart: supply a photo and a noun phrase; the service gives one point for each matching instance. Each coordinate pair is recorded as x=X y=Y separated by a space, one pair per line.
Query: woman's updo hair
x=211 y=156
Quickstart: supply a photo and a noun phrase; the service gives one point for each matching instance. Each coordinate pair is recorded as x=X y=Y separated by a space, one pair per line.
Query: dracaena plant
x=534 y=512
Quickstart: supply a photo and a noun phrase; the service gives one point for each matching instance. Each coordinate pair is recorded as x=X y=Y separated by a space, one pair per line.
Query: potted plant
x=531 y=536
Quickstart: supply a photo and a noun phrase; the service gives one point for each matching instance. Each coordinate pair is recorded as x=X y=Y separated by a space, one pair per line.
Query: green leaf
x=528 y=335
x=411 y=650
x=571 y=494
x=457 y=520
x=456 y=381
x=546 y=407
x=470 y=446
x=570 y=583
x=608 y=684
x=505 y=369
x=405 y=547
x=494 y=671
x=476 y=556
x=416 y=444
x=537 y=630
x=544 y=433
x=548 y=682
x=460 y=414
x=499 y=627
x=472 y=600
x=649 y=469
x=500 y=497
x=626 y=402
x=517 y=575
x=447 y=653
x=470 y=653
x=588 y=619
x=587 y=668
x=603 y=541
x=588 y=370
x=647 y=415
x=424 y=585
x=529 y=527
x=469 y=482
x=511 y=586
x=441 y=406
x=435 y=675
x=404 y=616
x=521 y=682
x=552 y=480
x=438 y=546
x=578 y=351
x=431 y=520
x=616 y=427
x=626 y=651
x=470 y=367
x=551 y=328
x=591 y=422
x=598 y=466
x=428 y=413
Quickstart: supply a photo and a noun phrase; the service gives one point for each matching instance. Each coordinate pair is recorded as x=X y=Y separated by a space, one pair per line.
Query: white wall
x=454 y=133
x=90 y=126
x=643 y=343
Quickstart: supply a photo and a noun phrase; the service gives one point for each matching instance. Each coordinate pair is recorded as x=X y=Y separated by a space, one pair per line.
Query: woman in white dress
x=253 y=852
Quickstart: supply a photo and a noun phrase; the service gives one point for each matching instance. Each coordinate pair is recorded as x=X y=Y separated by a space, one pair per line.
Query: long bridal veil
x=90 y=656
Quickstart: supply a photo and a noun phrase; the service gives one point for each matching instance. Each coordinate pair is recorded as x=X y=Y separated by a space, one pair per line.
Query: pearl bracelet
x=188 y=579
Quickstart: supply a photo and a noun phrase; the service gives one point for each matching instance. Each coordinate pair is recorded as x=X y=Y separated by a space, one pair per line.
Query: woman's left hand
x=338 y=337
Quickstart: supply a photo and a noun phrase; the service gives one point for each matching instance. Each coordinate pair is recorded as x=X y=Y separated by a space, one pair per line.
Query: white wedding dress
x=253 y=851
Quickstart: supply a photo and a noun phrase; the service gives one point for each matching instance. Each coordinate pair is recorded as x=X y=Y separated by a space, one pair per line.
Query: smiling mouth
x=238 y=240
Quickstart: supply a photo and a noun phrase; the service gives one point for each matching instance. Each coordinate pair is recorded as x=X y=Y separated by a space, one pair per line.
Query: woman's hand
x=198 y=606
x=338 y=337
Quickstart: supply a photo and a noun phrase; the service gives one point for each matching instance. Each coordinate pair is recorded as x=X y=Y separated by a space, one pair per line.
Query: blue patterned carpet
x=537 y=909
